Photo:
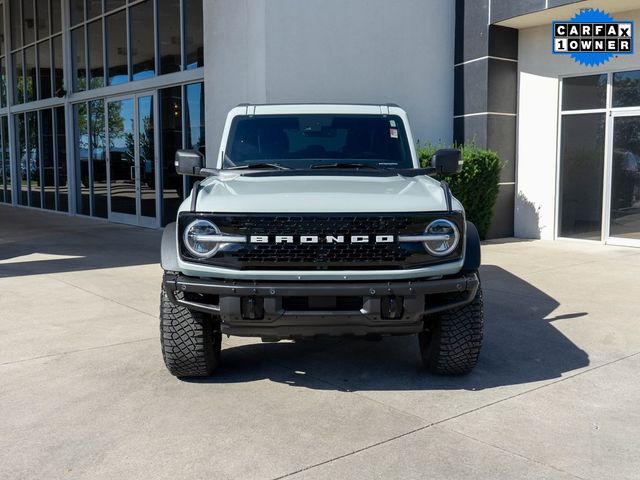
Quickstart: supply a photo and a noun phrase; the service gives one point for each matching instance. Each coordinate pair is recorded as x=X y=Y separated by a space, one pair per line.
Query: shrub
x=476 y=186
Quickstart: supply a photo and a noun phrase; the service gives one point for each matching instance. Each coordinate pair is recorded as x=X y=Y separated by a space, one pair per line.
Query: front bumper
x=289 y=309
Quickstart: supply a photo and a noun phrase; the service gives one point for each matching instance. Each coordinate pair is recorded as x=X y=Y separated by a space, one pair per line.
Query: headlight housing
x=199 y=238
x=441 y=237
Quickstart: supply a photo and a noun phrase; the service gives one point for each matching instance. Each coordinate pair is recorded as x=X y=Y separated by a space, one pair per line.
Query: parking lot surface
x=84 y=392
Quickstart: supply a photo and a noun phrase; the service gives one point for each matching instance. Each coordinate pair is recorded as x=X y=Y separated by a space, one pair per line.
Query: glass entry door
x=623 y=224
x=132 y=162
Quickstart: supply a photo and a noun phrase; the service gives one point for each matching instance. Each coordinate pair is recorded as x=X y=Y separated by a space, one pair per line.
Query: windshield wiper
x=344 y=165
x=257 y=165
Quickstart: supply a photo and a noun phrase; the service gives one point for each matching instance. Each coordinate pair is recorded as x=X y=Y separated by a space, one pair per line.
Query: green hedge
x=476 y=186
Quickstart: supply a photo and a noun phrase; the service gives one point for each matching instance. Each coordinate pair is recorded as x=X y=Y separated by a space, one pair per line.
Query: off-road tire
x=191 y=340
x=451 y=341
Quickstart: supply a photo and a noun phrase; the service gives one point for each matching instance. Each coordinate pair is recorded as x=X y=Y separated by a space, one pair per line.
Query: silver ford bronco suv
x=316 y=220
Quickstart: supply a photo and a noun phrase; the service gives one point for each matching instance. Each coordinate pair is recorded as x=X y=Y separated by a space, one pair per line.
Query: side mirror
x=189 y=162
x=446 y=161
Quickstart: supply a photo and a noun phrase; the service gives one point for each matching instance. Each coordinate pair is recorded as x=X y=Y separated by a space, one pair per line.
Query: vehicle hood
x=236 y=193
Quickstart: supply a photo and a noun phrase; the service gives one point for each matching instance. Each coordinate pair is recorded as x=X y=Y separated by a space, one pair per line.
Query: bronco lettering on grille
x=321 y=239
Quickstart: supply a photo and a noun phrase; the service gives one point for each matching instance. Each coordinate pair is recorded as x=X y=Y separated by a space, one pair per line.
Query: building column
x=485 y=98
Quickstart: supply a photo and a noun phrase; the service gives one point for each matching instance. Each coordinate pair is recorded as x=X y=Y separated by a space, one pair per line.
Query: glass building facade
x=95 y=98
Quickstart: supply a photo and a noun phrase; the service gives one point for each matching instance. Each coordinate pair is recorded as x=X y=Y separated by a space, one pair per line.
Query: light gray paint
x=360 y=51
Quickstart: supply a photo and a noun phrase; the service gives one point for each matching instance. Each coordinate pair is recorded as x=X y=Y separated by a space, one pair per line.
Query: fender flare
x=472 y=250
x=168 y=249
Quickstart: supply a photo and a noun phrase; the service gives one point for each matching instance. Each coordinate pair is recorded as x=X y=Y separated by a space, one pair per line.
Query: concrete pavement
x=84 y=393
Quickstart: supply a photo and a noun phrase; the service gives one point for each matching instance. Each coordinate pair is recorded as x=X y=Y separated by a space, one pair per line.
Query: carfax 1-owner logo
x=592 y=37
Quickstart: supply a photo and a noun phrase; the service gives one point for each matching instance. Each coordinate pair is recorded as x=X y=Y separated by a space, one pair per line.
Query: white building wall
x=369 y=51
x=538 y=103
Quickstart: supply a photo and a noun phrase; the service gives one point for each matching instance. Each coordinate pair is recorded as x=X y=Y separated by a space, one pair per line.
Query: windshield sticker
x=392 y=123
x=393 y=132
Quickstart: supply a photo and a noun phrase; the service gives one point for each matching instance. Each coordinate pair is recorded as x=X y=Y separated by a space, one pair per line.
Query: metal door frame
x=608 y=175
x=135 y=219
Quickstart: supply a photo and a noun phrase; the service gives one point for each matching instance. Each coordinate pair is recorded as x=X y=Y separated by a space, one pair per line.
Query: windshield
x=317 y=141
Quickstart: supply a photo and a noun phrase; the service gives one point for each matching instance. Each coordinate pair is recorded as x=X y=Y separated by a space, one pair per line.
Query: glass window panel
x=42 y=16
x=30 y=86
x=121 y=132
x=28 y=21
x=77 y=11
x=169 y=37
x=582 y=93
x=147 y=155
x=170 y=142
x=581 y=171
x=96 y=61
x=94 y=8
x=193 y=33
x=6 y=166
x=21 y=159
x=194 y=116
x=3 y=82
x=61 y=161
x=79 y=60
x=56 y=16
x=1 y=30
x=44 y=66
x=18 y=76
x=33 y=152
x=113 y=4
x=16 y=24
x=58 y=70
x=98 y=157
x=81 y=143
x=624 y=220
x=626 y=89
x=116 y=34
x=46 y=157
x=142 y=41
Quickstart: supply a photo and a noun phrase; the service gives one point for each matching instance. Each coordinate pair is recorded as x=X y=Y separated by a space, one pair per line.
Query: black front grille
x=323 y=255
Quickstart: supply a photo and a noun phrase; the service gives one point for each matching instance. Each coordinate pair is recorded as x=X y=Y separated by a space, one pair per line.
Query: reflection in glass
x=98 y=157
x=30 y=74
x=147 y=157
x=122 y=156
x=194 y=117
x=44 y=65
x=22 y=166
x=581 y=174
x=170 y=142
x=94 y=8
x=96 y=67
x=18 y=76
x=42 y=7
x=625 y=179
x=77 y=11
x=61 y=159
x=16 y=25
x=58 y=70
x=626 y=89
x=193 y=34
x=79 y=60
x=56 y=16
x=116 y=41
x=113 y=4
x=1 y=31
x=3 y=82
x=169 y=37
x=47 y=158
x=33 y=153
x=82 y=157
x=582 y=93
x=29 y=24
x=5 y=157
x=142 y=41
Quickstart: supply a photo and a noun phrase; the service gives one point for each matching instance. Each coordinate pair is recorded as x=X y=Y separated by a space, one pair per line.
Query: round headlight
x=444 y=237
x=195 y=238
